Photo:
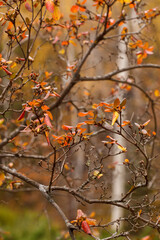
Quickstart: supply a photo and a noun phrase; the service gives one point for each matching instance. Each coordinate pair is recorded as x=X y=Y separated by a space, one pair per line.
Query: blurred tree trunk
x=119 y=175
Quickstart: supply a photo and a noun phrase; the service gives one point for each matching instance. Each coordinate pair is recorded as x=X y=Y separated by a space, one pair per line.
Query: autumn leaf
x=6 y=70
x=62 y=51
x=89 y=122
x=56 y=13
x=146 y=123
x=146 y=238
x=2 y=178
x=123 y=103
x=85 y=227
x=126 y=122
x=123 y=149
x=74 y=8
x=47 y=120
x=115 y=117
x=83 y=114
x=50 y=5
x=21 y=116
x=123 y=33
x=28 y=7
x=67 y=127
x=116 y=102
x=157 y=93
x=126 y=161
x=10 y=25
x=47 y=137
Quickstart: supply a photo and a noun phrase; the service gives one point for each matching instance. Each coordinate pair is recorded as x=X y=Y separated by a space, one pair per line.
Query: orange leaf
x=64 y=43
x=123 y=33
x=80 y=124
x=49 y=114
x=45 y=107
x=82 y=9
x=156 y=93
x=66 y=127
x=90 y=122
x=146 y=238
x=126 y=122
x=123 y=103
x=82 y=3
x=116 y=102
x=47 y=137
x=2 y=178
x=83 y=114
x=50 y=5
x=74 y=9
x=91 y=221
x=10 y=25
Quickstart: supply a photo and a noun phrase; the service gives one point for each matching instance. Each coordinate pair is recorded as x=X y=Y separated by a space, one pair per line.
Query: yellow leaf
x=156 y=93
x=121 y=148
x=115 y=117
x=62 y=51
x=14 y=64
x=2 y=178
x=1 y=121
x=74 y=44
x=56 y=14
x=125 y=1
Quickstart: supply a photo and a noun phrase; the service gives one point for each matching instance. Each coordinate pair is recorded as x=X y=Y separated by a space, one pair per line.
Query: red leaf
x=28 y=7
x=50 y=5
x=21 y=116
x=86 y=227
x=47 y=121
x=6 y=70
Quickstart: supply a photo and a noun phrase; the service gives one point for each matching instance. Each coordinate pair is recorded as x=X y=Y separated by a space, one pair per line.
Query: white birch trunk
x=119 y=176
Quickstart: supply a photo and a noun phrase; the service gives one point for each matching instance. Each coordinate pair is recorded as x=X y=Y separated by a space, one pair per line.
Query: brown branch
x=43 y=189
